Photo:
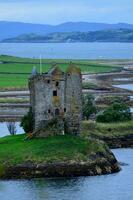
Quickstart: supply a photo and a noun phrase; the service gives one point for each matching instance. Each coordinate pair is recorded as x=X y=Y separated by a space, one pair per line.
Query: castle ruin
x=56 y=101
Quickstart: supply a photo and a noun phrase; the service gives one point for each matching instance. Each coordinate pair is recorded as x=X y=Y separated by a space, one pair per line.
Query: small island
x=54 y=156
x=55 y=148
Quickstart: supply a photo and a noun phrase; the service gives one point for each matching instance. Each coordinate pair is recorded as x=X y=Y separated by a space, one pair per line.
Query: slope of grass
x=95 y=62
x=14 y=65
x=89 y=85
x=15 y=150
x=14 y=100
x=108 y=129
x=14 y=81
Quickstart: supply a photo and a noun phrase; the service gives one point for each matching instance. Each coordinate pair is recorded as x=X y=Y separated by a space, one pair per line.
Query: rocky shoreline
x=98 y=164
x=121 y=141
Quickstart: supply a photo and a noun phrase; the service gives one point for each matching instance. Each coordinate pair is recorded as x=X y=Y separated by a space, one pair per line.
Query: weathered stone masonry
x=56 y=101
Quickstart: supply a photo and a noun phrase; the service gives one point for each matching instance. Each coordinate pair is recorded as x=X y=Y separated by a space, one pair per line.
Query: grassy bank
x=15 y=150
x=14 y=100
x=10 y=64
x=108 y=129
x=90 y=85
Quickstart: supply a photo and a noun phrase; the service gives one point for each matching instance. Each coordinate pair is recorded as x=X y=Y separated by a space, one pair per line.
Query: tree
x=11 y=127
x=117 y=112
x=89 y=107
x=28 y=122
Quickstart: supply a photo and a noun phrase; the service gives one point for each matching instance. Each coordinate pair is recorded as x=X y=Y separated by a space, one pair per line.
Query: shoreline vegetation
x=65 y=156
x=56 y=156
x=60 y=156
x=115 y=135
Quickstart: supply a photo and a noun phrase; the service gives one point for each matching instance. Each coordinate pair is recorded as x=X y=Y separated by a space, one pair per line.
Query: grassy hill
x=15 y=71
x=116 y=135
x=15 y=150
x=57 y=156
x=108 y=129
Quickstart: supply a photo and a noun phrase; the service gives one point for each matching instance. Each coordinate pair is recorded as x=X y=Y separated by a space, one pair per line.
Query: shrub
x=89 y=107
x=117 y=112
x=89 y=85
x=28 y=122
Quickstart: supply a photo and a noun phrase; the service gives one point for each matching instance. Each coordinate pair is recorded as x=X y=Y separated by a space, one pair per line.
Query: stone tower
x=73 y=100
x=56 y=101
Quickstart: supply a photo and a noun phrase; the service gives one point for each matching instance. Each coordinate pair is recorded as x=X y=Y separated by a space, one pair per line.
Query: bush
x=89 y=85
x=89 y=107
x=117 y=112
x=28 y=122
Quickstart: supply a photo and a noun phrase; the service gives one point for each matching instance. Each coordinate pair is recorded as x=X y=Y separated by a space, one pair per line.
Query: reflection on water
x=109 y=187
x=4 y=130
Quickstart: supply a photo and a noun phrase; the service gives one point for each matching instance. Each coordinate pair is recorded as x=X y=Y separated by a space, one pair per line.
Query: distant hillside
x=121 y=35
x=13 y=29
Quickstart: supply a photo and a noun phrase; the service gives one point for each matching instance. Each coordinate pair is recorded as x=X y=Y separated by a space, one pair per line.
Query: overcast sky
x=59 y=11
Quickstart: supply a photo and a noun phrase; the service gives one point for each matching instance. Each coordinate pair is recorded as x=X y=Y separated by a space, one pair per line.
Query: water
x=117 y=186
x=69 y=50
x=125 y=86
x=131 y=110
x=4 y=131
x=123 y=79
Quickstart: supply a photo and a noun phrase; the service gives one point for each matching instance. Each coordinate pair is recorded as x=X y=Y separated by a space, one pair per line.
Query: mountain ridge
x=119 y=35
x=13 y=29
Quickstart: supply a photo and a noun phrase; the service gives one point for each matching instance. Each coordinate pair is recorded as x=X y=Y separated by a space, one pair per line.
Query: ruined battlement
x=56 y=96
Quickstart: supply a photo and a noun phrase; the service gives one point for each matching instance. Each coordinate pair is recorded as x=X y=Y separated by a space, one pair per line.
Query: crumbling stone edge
x=99 y=165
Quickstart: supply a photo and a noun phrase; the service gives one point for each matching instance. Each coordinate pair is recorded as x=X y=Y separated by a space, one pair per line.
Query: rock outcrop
x=97 y=164
x=121 y=141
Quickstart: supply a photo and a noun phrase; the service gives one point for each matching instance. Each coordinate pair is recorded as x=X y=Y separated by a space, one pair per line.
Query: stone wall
x=46 y=106
x=73 y=100
x=57 y=95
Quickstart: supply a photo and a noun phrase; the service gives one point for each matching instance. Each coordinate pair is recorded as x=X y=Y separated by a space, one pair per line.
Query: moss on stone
x=73 y=69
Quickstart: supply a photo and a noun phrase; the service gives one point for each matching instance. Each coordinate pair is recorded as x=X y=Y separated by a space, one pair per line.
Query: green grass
x=89 y=85
x=8 y=58
x=24 y=65
x=13 y=81
x=14 y=100
x=15 y=150
x=108 y=129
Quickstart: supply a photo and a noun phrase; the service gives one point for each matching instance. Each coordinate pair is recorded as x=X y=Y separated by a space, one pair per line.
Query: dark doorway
x=57 y=84
x=55 y=93
x=57 y=112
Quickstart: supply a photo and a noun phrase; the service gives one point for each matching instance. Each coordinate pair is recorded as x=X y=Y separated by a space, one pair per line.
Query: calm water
x=109 y=187
x=70 y=50
x=4 y=130
x=125 y=86
x=123 y=79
